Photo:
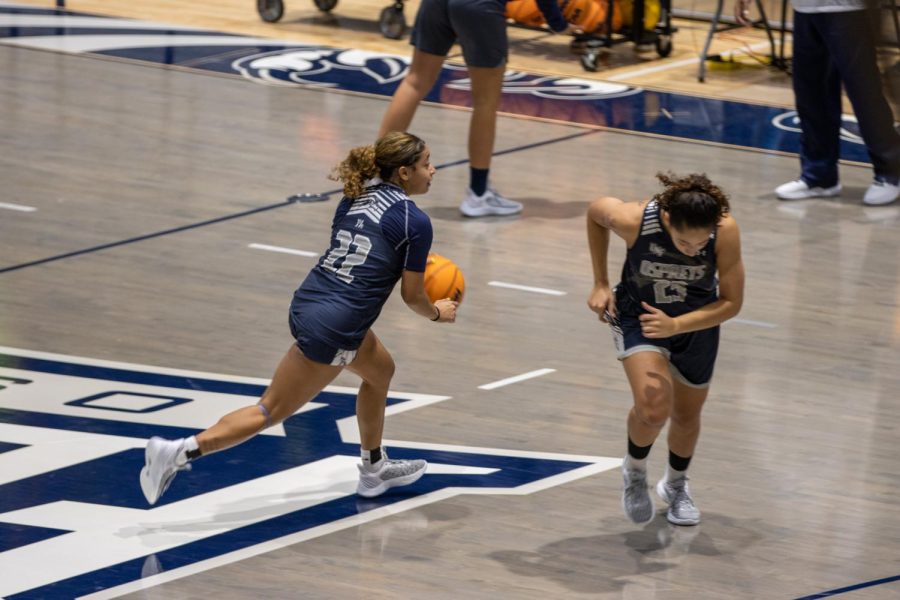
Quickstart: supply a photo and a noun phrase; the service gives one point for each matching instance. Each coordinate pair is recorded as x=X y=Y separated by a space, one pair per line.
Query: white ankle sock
x=635 y=463
x=672 y=474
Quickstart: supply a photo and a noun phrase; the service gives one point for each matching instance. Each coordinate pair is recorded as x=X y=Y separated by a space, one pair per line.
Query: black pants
x=831 y=48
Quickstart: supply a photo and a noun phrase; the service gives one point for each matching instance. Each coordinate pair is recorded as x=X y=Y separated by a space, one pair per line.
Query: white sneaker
x=160 y=466
x=489 y=203
x=391 y=473
x=675 y=493
x=881 y=192
x=800 y=190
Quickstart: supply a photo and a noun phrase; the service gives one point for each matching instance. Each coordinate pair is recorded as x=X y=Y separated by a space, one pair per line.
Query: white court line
x=19 y=207
x=754 y=323
x=678 y=63
x=282 y=250
x=516 y=379
x=526 y=288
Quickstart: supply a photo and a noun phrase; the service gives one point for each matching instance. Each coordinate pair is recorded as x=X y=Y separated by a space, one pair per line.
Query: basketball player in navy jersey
x=665 y=315
x=378 y=237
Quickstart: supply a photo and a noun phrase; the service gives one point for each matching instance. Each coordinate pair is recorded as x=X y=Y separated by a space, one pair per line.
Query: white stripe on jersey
x=651 y=222
x=374 y=204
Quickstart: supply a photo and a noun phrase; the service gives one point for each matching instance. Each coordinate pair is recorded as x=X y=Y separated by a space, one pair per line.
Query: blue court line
x=143 y=237
x=253 y=211
x=850 y=588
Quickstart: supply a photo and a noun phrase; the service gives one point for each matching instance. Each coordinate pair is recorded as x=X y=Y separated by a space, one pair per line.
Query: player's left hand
x=656 y=324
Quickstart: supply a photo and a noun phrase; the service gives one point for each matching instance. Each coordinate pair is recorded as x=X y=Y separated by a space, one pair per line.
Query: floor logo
x=73 y=520
x=790 y=121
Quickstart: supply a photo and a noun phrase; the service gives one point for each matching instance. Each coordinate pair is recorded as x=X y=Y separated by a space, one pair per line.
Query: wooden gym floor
x=139 y=202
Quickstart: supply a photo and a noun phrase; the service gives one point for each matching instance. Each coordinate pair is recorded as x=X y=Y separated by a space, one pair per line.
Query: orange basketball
x=525 y=12
x=443 y=279
x=601 y=23
x=579 y=12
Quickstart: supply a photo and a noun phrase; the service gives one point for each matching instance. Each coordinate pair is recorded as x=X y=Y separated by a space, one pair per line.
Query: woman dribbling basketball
x=378 y=237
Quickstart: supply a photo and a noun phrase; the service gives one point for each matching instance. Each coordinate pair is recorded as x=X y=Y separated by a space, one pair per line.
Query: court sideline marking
x=516 y=379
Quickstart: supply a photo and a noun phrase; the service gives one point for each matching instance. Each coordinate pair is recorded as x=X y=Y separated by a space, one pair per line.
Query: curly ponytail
x=392 y=151
x=355 y=170
x=692 y=201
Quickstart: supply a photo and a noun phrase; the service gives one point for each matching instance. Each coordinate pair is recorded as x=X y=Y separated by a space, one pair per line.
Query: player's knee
x=381 y=376
x=653 y=408
x=654 y=416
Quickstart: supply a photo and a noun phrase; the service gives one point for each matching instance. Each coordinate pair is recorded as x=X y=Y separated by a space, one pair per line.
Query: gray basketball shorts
x=478 y=25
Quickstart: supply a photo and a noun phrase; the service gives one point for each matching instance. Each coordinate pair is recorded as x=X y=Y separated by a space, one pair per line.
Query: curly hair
x=692 y=201
x=393 y=150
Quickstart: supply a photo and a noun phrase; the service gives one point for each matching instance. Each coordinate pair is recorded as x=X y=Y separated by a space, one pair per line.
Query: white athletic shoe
x=487 y=204
x=881 y=192
x=675 y=493
x=800 y=190
x=391 y=473
x=160 y=466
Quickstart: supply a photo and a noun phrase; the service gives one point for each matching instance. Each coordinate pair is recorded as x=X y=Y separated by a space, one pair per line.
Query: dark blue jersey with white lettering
x=656 y=272
x=374 y=238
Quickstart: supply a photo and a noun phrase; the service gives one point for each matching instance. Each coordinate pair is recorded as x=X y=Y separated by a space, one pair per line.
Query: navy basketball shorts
x=692 y=356
x=479 y=25
x=317 y=350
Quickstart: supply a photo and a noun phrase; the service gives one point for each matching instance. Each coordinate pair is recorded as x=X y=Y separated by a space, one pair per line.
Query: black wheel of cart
x=392 y=22
x=589 y=60
x=664 y=45
x=325 y=5
x=270 y=11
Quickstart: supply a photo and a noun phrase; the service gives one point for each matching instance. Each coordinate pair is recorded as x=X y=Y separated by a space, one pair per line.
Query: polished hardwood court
x=126 y=255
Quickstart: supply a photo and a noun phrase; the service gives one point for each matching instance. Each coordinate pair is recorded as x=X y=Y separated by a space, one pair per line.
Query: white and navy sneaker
x=800 y=190
x=162 y=461
x=390 y=473
x=490 y=203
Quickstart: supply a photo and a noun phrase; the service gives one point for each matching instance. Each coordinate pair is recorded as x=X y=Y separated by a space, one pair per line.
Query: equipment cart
x=589 y=45
x=391 y=22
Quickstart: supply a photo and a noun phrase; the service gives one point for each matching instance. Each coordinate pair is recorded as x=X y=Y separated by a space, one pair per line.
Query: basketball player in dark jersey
x=378 y=237
x=665 y=315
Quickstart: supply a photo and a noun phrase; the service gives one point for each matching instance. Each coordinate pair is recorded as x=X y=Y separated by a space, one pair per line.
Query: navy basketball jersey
x=656 y=272
x=374 y=238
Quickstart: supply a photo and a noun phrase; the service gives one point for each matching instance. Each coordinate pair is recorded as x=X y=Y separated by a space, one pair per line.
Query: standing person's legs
x=487 y=88
x=377 y=473
x=481 y=26
x=851 y=39
x=296 y=381
x=653 y=392
x=423 y=73
x=817 y=91
x=432 y=37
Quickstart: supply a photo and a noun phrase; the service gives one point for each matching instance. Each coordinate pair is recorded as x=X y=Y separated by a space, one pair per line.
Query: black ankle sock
x=678 y=463
x=478 y=179
x=638 y=452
